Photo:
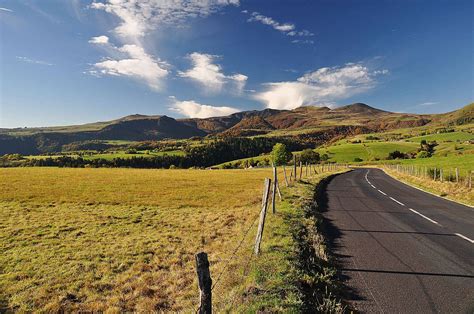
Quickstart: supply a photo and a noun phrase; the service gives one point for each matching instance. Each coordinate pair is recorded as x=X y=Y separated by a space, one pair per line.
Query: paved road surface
x=400 y=250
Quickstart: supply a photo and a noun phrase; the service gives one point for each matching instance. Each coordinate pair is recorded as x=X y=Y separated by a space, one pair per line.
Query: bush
x=423 y=154
x=397 y=155
x=357 y=159
x=371 y=138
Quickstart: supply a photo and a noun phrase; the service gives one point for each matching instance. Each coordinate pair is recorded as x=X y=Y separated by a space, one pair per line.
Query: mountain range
x=306 y=121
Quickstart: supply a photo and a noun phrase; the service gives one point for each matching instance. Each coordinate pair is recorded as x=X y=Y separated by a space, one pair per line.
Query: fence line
x=437 y=174
x=206 y=286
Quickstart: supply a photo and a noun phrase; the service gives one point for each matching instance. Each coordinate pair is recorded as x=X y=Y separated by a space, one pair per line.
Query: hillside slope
x=321 y=123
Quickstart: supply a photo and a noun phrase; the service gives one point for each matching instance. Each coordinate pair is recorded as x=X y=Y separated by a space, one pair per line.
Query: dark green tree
x=310 y=156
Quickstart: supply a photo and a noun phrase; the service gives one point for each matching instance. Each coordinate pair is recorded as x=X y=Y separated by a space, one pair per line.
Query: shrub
x=396 y=155
x=423 y=154
x=357 y=159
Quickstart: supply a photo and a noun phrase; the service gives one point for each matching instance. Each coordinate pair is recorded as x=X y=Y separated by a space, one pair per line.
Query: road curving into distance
x=400 y=249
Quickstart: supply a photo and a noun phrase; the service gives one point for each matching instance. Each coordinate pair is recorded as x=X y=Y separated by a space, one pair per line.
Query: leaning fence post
x=263 y=213
x=205 y=283
x=274 y=189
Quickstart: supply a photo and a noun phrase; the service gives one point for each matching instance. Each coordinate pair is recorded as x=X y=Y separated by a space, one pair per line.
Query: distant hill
x=309 y=122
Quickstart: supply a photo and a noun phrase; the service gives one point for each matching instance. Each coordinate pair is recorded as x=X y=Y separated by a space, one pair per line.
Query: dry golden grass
x=454 y=191
x=121 y=239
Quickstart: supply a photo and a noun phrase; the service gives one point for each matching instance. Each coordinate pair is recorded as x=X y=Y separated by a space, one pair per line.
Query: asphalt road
x=400 y=250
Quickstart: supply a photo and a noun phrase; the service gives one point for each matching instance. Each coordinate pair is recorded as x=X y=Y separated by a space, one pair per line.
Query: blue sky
x=76 y=61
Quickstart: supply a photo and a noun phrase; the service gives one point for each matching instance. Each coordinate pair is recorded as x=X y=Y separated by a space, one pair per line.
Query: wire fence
x=454 y=175
x=297 y=172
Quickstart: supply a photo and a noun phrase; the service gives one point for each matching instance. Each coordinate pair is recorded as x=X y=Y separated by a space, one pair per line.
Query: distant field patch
x=366 y=151
x=443 y=137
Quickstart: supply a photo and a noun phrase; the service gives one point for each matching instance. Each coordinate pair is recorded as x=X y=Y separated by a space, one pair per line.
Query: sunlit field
x=120 y=239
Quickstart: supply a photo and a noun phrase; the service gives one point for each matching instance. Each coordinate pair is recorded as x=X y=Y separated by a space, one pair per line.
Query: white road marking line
x=372 y=186
x=397 y=201
x=382 y=192
x=464 y=237
x=429 y=219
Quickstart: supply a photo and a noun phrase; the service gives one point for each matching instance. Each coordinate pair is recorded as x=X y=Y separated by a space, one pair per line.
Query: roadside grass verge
x=459 y=192
x=295 y=272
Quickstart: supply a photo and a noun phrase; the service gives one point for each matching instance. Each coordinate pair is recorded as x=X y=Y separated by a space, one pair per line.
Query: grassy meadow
x=121 y=239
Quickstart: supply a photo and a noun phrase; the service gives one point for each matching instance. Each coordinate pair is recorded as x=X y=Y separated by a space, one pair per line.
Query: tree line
x=212 y=153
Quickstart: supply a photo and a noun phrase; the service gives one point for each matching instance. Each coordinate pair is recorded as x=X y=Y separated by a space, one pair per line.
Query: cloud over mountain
x=192 y=109
x=325 y=85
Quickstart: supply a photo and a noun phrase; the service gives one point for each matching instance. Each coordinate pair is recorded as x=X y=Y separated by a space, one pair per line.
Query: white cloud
x=288 y=29
x=209 y=74
x=136 y=20
x=6 y=10
x=192 y=109
x=139 y=17
x=99 y=40
x=323 y=86
x=428 y=103
x=33 y=61
x=136 y=64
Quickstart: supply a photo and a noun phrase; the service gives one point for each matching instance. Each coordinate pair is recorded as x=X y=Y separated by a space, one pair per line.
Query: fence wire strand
x=233 y=253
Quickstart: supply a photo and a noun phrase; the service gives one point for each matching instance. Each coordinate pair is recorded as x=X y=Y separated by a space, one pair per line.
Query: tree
x=309 y=156
x=280 y=154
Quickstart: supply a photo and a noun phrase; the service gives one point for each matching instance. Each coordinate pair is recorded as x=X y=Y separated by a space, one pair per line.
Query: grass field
x=121 y=239
x=369 y=151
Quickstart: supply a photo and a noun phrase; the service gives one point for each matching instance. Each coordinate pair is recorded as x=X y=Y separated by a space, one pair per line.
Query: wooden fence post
x=263 y=213
x=274 y=189
x=205 y=283
x=457 y=175
x=441 y=174
x=294 y=165
x=301 y=169
x=434 y=174
x=284 y=175
x=470 y=179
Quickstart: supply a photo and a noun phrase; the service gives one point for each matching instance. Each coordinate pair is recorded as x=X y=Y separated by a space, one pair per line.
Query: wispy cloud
x=428 y=103
x=6 y=10
x=288 y=29
x=323 y=86
x=210 y=75
x=33 y=61
x=139 y=17
x=192 y=109
x=136 y=20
